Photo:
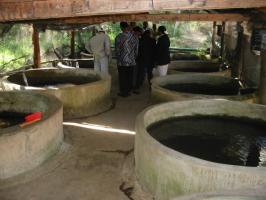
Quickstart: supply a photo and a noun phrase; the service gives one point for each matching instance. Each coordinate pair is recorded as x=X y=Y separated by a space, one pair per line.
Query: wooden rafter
x=17 y=10
x=207 y=4
x=155 y=17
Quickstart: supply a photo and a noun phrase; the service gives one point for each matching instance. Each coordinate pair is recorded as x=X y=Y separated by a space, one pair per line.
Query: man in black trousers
x=146 y=59
x=126 y=49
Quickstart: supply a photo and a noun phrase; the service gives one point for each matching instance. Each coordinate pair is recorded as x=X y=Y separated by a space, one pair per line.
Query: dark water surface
x=198 y=69
x=58 y=81
x=45 y=79
x=235 y=141
x=206 y=89
x=8 y=119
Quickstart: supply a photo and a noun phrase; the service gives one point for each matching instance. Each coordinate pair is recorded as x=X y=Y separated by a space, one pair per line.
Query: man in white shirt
x=100 y=46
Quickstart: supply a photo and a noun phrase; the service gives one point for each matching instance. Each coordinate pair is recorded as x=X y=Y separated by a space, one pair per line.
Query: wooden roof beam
x=155 y=18
x=17 y=10
x=207 y=4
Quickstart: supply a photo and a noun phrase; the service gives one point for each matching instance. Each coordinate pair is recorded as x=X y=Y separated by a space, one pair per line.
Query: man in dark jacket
x=162 y=52
x=146 y=58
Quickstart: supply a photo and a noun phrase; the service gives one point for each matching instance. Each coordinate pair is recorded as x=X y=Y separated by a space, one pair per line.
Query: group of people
x=140 y=52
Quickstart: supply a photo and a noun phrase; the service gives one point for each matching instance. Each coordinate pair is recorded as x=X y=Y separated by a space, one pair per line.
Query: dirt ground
x=96 y=161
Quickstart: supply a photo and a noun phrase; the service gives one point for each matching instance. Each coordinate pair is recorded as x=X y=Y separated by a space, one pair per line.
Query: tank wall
x=78 y=100
x=161 y=94
x=251 y=193
x=22 y=149
x=167 y=173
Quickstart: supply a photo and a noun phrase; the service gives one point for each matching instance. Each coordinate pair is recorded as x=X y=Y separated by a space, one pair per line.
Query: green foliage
x=16 y=46
x=189 y=34
x=82 y=38
x=53 y=39
x=113 y=30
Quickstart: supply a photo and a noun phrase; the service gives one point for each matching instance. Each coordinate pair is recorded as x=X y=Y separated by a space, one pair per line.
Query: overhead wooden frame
x=155 y=18
x=17 y=10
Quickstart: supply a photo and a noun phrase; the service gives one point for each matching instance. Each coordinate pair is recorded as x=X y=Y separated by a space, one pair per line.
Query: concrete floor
x=96 y=161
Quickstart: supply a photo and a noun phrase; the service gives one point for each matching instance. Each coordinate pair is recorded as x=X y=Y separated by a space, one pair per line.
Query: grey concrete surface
x=78 y=100
x=167 y=173
x=22 y=149
x=161 y=94
x=258 y=193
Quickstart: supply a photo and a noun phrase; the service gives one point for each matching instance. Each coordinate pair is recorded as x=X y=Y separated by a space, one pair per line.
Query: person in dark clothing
x=162 y=52
x=126 y=49
x=146 y=58
x=137 y=31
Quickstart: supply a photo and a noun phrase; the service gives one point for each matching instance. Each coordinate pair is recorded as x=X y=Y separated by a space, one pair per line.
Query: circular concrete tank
x=201 y=66
x=197 y=66
x=23 y=148
x=183 y=56
x=198 y=86
x=83 y=92
x=167 y=173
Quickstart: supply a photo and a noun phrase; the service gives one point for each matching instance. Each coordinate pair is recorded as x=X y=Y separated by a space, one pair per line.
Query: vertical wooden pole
x=222 y=40
x=36 y=47
x=213 y=38
x=72 y=44
x=238 y=59
x=241 y=57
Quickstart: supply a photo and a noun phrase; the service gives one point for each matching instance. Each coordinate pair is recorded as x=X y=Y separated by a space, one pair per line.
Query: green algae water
x=226 y=140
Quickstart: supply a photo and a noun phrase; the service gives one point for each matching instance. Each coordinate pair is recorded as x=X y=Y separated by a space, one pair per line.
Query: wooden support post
x=213 y=38
x=238 y=59
x=222 y=40
x=262 y=87
x=240 y=65
x=36 y=47
x=72 y=44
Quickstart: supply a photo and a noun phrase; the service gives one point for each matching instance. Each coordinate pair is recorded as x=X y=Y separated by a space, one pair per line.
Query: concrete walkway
x=96 y=161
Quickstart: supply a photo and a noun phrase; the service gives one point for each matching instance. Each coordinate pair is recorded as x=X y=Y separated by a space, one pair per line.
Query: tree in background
x=16 y=40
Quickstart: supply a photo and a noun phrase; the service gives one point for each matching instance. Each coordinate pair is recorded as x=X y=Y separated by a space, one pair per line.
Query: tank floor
x=94 y=163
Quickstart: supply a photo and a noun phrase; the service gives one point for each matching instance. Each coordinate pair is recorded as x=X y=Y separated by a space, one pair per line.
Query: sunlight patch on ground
x=99 y=127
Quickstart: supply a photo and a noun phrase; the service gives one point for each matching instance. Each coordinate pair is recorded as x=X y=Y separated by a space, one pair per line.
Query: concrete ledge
x=243 y=194
x=78 y=100
x=22 y=149
x=166 y=173
x=161 y=94
x=195 y=66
